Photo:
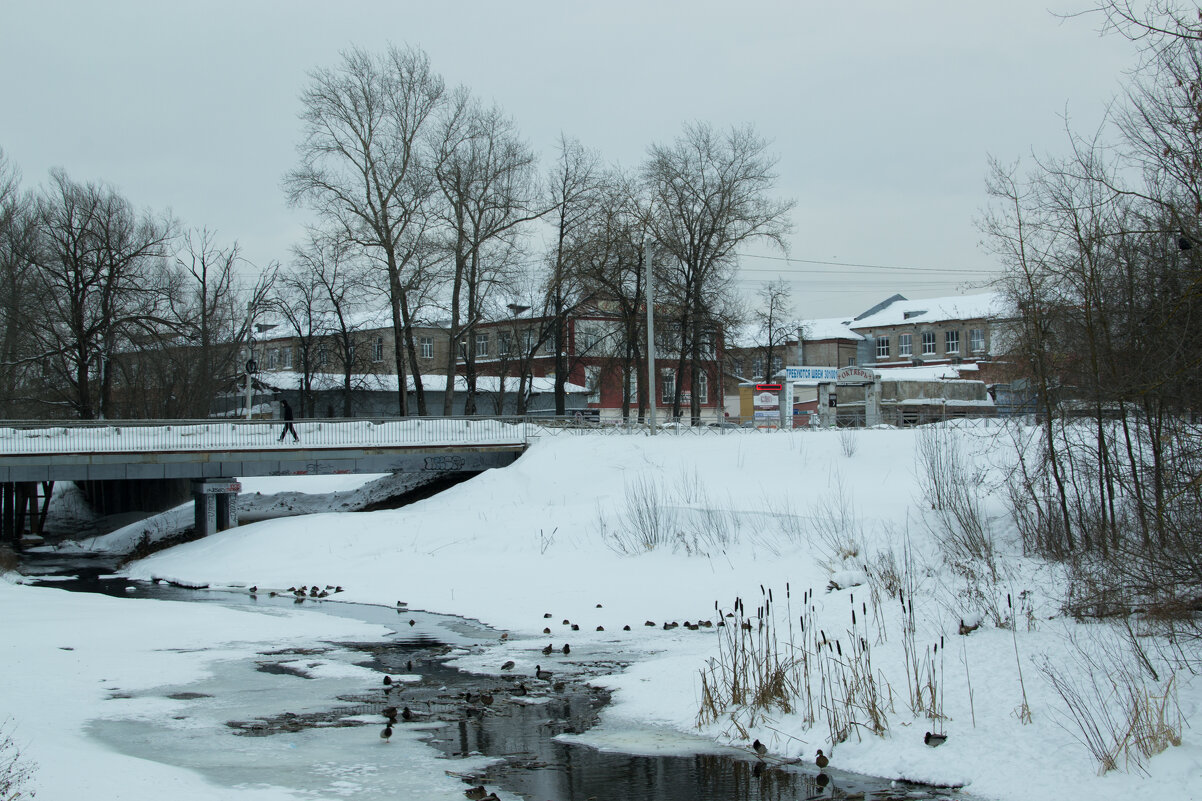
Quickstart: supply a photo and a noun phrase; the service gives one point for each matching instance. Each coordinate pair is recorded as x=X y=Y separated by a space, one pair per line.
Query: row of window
x=281 y=358
x=667 y=386
x=951 y=344
x=757 y=366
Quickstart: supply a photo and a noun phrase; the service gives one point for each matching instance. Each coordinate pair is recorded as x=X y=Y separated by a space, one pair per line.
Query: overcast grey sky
x=882 y=113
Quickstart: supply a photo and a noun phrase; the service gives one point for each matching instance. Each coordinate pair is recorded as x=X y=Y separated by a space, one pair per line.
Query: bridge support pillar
x=216 y=506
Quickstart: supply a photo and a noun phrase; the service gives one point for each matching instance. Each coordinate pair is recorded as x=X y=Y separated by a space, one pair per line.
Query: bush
x=16 y=771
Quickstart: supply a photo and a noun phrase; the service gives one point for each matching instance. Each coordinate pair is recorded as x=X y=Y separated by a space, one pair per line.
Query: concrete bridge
x=214 y=454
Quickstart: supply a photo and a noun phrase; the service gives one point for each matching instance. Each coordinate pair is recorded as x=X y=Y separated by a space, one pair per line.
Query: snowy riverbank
x=737 y=512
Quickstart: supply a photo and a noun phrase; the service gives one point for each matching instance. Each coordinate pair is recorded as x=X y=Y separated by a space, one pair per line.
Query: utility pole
x=250 y=357
x=650 y=341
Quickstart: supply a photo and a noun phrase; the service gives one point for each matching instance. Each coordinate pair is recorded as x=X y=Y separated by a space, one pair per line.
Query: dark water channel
x=516 y=721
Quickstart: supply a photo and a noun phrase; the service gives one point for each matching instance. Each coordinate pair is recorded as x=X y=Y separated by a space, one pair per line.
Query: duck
x=254 y=588
x=547 y=630
x=759 y=748
x=821 y=760
x=386 y=735
x=406 y=714
x=521 y=689
x=547 y=651
x=539 y=673
x=486 y=699
x=508 y=665
x=567 y=649
x=388 y=681
x=934 y=740
x=476 y=793
x=412 y=622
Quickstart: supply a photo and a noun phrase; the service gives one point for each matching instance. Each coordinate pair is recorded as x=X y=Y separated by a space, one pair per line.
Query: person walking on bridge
x=288 y=427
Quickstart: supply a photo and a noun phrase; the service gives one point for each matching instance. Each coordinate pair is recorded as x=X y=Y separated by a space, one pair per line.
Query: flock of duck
x=480 y=793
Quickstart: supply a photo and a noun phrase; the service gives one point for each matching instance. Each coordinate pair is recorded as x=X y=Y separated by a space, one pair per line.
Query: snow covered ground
x=555 y=538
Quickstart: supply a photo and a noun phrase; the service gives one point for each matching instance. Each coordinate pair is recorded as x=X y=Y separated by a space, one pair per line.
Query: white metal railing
x=20 y=437
x=125 y=436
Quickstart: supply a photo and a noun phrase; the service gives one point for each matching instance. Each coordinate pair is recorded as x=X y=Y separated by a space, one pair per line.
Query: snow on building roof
x=930 y=372
x=932 y=310
x=829 y=328
x=434 y=383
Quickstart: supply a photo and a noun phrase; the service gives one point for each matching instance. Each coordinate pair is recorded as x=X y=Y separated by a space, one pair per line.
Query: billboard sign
x=812 y=373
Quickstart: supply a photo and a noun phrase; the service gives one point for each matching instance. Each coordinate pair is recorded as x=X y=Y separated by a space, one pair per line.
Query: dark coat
x=287 y=410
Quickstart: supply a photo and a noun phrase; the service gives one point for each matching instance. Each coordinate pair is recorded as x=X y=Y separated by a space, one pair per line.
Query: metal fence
x=126 y=436
x=132 y=436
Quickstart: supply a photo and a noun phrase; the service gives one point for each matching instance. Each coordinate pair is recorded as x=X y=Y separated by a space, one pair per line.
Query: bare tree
x=339 y=284
x=19 y=352
x=614 y=259
x=711 y=195
x=575 y=188
x=363 y=170
x=207 y=319
x=1105 y=283
x=773 y=318
x=100 y=264
x=486 y=176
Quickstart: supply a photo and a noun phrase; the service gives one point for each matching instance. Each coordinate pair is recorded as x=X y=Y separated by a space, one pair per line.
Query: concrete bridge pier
x=216 y=503
x=22 y=501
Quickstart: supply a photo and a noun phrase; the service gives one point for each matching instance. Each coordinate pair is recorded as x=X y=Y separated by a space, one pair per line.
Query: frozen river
x=310 y=721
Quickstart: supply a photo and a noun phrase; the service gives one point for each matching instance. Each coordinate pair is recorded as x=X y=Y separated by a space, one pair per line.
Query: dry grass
x=1109 y=707
x=16 y=772
x=765 y=667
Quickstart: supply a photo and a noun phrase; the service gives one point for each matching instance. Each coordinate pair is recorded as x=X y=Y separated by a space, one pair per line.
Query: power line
x=791 y=260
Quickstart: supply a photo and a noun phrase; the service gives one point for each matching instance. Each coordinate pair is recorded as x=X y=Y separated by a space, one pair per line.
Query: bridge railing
x=123 y=436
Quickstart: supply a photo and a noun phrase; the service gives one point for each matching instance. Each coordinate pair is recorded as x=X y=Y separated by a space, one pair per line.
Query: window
x=905 y=345
x=504 y=343
x=668 y=386
x=951 y=341
x=286 y=358
x=707 y=344
x=928 y=343
x=592 y=381
x=633 y=392
x=427 y=347
x=703 y=387
x=882 y=347
x=273 y=359
x=976 y=340
x=321 y=357
x=377 y=349
x=481 y=344
x=757 y=367
x=778 y=364
x=586 y=340
x=851 y=361
x=738 y=367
